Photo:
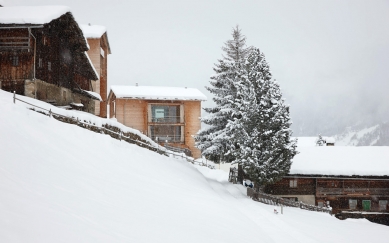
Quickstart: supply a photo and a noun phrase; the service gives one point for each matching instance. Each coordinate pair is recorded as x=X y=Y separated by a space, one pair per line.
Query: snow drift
x=62 y=183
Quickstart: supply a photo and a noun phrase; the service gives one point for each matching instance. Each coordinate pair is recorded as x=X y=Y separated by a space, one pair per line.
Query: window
x=352 y=203
x=15 y=61
x=166 y=113
x=383 y=204
x=170 y=134
x=40 y=62
x=166 y=123
x=293 y=183
x=49 y=66
x=102 y=52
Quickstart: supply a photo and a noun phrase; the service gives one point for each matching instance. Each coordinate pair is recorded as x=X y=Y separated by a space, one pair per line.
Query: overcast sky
x=330 y=57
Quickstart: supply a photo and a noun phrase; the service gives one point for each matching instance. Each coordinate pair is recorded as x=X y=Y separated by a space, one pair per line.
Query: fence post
x=14 y=96
x=50 y=113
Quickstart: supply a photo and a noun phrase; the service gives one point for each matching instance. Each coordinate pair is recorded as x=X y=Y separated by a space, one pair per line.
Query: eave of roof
x=157 y=93
x=33 y=15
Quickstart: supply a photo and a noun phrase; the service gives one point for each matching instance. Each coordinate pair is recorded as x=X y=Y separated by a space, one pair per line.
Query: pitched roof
x=341 y=160
x=157 y=93
x=96 y=32
x=93 y=31
x=31 y=14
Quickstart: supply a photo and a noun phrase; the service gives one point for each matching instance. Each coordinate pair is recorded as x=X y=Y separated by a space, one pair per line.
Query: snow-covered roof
x=91 y=64
x=157 y=93
x=311 y=141
x=77 y=104
x=329 y=139
x=342 y=160
x=93 y=31
x=94 y=94
x=31 y=14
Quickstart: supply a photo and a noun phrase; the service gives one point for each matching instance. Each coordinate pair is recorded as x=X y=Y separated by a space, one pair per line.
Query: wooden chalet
x=354 y=181
x=43 y=55
x=168 y=115
x=98 y=52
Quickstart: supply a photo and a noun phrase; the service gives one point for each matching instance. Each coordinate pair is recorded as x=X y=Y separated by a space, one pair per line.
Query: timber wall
x=134 y=113
x=100 y=63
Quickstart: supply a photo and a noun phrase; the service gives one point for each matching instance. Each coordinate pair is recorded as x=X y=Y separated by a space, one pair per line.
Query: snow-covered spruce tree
x=259 y=128
x=320 y=141
x=212 y=141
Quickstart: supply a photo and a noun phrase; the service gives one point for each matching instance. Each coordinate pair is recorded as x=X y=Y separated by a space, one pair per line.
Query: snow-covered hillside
x=377 y=135
x=62 y=183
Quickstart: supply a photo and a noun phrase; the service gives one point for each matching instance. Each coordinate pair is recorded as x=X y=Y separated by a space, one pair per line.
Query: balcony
x=14 y=43
x=321 y=191
x=171 y=138
x=166 y=120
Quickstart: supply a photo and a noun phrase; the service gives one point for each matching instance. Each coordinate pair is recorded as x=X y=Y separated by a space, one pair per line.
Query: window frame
x=293 y=183
x=15 y=61
x=382 y=206
x=355 y=206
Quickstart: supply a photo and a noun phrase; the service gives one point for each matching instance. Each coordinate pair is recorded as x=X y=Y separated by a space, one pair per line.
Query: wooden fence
x=112 y=131
x=273 y=200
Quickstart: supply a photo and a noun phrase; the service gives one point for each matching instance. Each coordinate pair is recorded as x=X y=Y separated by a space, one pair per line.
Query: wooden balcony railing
x=351 y=191
x=12 y=43
x=167 y=120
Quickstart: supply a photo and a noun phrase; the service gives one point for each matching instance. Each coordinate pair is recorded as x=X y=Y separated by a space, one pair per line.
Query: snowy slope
x=62 y=183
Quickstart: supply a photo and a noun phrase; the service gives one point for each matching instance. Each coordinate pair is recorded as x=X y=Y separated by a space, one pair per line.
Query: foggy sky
x=330 y=57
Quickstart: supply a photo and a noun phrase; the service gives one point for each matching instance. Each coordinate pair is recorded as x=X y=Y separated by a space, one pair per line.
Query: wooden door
x=366 y=205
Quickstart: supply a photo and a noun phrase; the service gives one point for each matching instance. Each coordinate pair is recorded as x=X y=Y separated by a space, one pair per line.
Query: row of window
x=40 y=64
x=366 y=204
x=15 y=62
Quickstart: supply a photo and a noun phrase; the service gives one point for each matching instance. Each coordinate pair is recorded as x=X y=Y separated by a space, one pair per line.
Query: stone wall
x=58 y=96
x=308 y=199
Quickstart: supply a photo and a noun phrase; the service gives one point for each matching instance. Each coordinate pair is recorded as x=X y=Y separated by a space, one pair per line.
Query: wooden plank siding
x=335 y=191
x=282 y=187
x=192 y=125
x=100 y=64
x=104 y=74
x=16 y=59
x=132 y=113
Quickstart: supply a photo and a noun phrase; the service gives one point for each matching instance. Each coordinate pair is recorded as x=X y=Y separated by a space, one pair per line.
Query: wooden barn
x=354 y=181
x=98 y=52
x=43 y=55
x=168 y=115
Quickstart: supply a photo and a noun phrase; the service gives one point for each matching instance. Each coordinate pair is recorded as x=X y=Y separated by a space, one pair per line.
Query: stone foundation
x=307 y=199
x=59 y=96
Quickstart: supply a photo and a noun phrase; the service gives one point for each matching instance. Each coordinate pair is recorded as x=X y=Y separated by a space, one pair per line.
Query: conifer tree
x=260 y=126
x=212 y=141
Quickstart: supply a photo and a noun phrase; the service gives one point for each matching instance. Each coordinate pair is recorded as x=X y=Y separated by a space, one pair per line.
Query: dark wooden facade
x=58 y=49
x=16 y=59
x=342 y=193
